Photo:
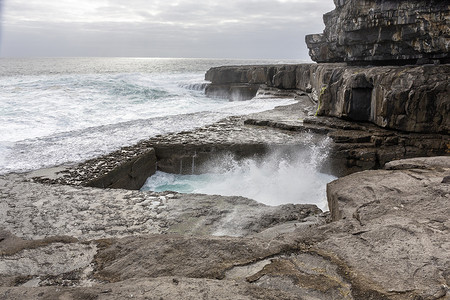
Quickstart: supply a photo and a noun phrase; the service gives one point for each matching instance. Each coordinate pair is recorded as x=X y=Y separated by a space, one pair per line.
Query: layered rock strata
x=412 y=99
x=355 y=146
x=384 y=32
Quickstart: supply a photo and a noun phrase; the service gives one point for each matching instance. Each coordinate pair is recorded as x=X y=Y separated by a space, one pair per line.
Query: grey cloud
x=264 y=29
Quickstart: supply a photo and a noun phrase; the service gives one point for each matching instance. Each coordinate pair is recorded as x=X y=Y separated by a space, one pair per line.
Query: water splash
x=283 y=176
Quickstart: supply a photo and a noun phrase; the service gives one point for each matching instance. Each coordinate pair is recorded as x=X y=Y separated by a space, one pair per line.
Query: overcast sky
x=154 y=28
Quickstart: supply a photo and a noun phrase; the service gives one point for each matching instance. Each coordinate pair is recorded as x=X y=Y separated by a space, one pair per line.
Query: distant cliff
x=384 y=32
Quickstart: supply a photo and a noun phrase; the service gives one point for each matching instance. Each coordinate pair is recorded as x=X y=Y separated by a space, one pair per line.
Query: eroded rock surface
x=388 y=240
x=383 y=32
x=406 y=98
x=36 y=211
x=397 y=227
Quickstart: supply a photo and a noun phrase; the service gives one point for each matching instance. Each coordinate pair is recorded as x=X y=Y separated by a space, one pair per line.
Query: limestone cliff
x=384 y=32
x=406 y=98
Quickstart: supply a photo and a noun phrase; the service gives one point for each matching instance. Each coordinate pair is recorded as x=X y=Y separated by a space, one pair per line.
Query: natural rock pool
x=274 y=179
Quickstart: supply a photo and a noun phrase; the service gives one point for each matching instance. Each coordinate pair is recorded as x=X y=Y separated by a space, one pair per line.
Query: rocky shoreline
x=384 y=238
x=85 y=231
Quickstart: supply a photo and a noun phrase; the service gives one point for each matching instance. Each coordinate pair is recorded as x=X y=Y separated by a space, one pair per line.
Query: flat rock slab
x=36 y=211
x=153 y=288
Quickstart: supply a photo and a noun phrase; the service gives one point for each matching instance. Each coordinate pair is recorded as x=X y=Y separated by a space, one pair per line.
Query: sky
x=153 y=28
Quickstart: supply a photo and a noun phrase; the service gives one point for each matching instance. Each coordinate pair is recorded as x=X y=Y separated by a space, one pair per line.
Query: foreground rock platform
x=387 y=239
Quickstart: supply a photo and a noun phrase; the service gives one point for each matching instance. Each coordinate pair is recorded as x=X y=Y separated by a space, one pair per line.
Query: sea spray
x=289 y=175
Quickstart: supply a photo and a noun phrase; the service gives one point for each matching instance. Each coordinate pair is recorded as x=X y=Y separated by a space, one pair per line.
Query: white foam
x=78 y=145
x=278 y=178
x=56 y=111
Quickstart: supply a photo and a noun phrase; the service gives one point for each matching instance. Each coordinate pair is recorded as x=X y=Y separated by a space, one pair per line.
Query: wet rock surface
x=353 y=146
x=90 y=213
x=188 y=152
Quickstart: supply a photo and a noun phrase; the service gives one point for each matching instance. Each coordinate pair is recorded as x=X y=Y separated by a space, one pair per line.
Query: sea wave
x=277 y=178
x=56 y=111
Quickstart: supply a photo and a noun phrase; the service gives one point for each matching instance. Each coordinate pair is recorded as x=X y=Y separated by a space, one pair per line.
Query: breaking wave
x=280 y=177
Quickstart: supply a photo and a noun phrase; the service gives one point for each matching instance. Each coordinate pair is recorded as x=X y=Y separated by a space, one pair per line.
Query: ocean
x=57 y=111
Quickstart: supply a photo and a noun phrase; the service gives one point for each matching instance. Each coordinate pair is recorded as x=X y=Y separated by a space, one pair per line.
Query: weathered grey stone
x=392 y=229
x=172 y=255
x=152 y=288
x=127 y=168
x=413 y=99
x=286 y=77
x=383 y=32
x=419 y=163
x=232 y=74
x=129 y=175
x=90 y=213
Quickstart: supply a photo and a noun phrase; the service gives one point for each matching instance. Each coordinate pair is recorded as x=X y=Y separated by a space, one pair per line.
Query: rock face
x=406 y=98
x=412 y=99
x=130 y=174
x=127 y=168
x=382 y=32
x=355 y=146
